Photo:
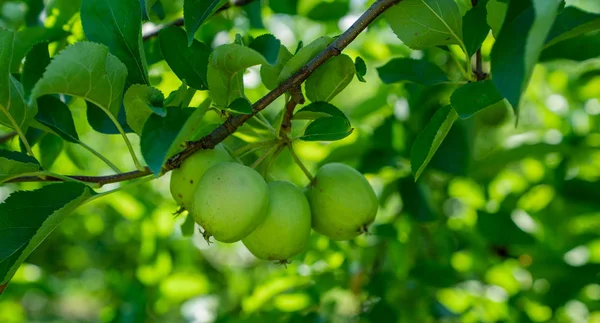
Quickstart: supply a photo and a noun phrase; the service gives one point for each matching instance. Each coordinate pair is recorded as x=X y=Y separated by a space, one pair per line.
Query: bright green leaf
x=330 y=79
x=430 y=139
x=196 y=11
x=188 y=62
x=474 y=97
x=411 y=70
x=15 y=163
x=426 y=23
x=327 y=129
x=14 y=112
x=25 y=225
x=303 y=56
x=226 y=67
x=317 y=110
x=180 y=97
x=270 y=73
x=117 y=24
x=496 y=11
x=140 y=101
x=86 y=70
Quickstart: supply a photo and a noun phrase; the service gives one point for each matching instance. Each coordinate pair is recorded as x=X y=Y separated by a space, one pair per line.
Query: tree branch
x=295 y=99
x=7 y=136
x=179 y=21
x=235 y=121
x=479 y=73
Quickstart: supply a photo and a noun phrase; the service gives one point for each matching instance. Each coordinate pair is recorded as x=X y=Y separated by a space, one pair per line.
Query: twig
x=305 y=170
x=100 y=180
x=179 y=21
x=479 y=73
x=233 y=122
x=295 y=99
x=7 y=136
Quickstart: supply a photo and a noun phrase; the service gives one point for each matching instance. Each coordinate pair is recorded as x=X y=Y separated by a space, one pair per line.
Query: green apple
x=184 y=179
x=230 y=201
x=286 y=229
x=342 y=202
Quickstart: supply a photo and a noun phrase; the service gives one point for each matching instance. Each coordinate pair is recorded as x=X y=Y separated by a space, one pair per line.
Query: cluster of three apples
x=232 y=202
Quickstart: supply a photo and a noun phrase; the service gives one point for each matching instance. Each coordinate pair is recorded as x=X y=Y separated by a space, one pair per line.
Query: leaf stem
x=20 y=133
x=100 y=156
x=243 y=150
x=122 y=187
x=300 y=164
x=265 y=155
x=136 y=162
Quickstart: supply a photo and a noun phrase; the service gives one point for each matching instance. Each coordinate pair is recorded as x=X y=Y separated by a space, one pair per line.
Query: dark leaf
x=474 y=97
x=317 y=110
x=35 y=64
x=411 y=70
x=268 y=46
x=361 y=69
x=327 y=129
x=475 y=28
x=15 y=163
x=240 y=105
x=188 y=62
x=195 y=12
x=55 y=114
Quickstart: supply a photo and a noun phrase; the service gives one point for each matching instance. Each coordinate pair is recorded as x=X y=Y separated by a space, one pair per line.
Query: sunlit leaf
x=15 y=163
x=317 y=110
x=426 y=23
x=330 y=79
x=327 y=129
x=140 y=102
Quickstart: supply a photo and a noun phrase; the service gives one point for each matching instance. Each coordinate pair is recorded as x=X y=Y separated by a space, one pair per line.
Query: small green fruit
x=342 y=202
x=230 y=201
x=286 y=229
x=184 y=179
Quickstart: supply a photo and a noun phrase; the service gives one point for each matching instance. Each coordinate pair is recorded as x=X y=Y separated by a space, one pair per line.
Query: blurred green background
x=503 y=226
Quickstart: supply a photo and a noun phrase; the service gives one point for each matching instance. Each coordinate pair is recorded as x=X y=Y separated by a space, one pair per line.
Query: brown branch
x=235 y=121
x=100 y=180
x=7 y=136
x=295 y=99
x=179 y=21
x=479 y=73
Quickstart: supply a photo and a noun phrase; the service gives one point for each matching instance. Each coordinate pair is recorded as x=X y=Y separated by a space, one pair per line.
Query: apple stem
x=299 y=163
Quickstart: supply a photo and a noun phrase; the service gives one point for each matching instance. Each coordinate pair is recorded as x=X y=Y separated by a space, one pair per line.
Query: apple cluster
x=233 y=202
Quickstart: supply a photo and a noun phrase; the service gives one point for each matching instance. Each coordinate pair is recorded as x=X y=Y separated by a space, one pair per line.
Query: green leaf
x=270 y=73
x=55 y=114
x=268 y=46
x=26 y=38
x=496 y=11
x=572 y=22
x=317 y=110
x=329 y=10
x=163 y=137
x=240 y=105
x=15 y=163
x=117 y=24
x=14 y=113
x=518 y=46
x=188 y=62
x=50 y=148
x=196 y=11
x=330 y=79
x=288 y=7
x=180 y=97
x=327 y=129
x=85 y=70
x=411 y=70
x=140 y=102
x=475 y=28
x=430 y=139
x=303 y=56
x=101 y=122
x=426 y=23
x=417 y=200
x=226 y=67
x=148 y=4
x=36 y=61
x=361 y=69
x=25 y=225
x=588 y=47
x=474 y=97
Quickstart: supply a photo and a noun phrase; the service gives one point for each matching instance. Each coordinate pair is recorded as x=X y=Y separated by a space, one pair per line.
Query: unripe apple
x=342 y=202
x=184 y=179
x=286 y=229
x=230 y=201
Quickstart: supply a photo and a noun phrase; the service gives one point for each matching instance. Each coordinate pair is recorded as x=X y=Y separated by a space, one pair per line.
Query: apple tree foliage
x=476 y=121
